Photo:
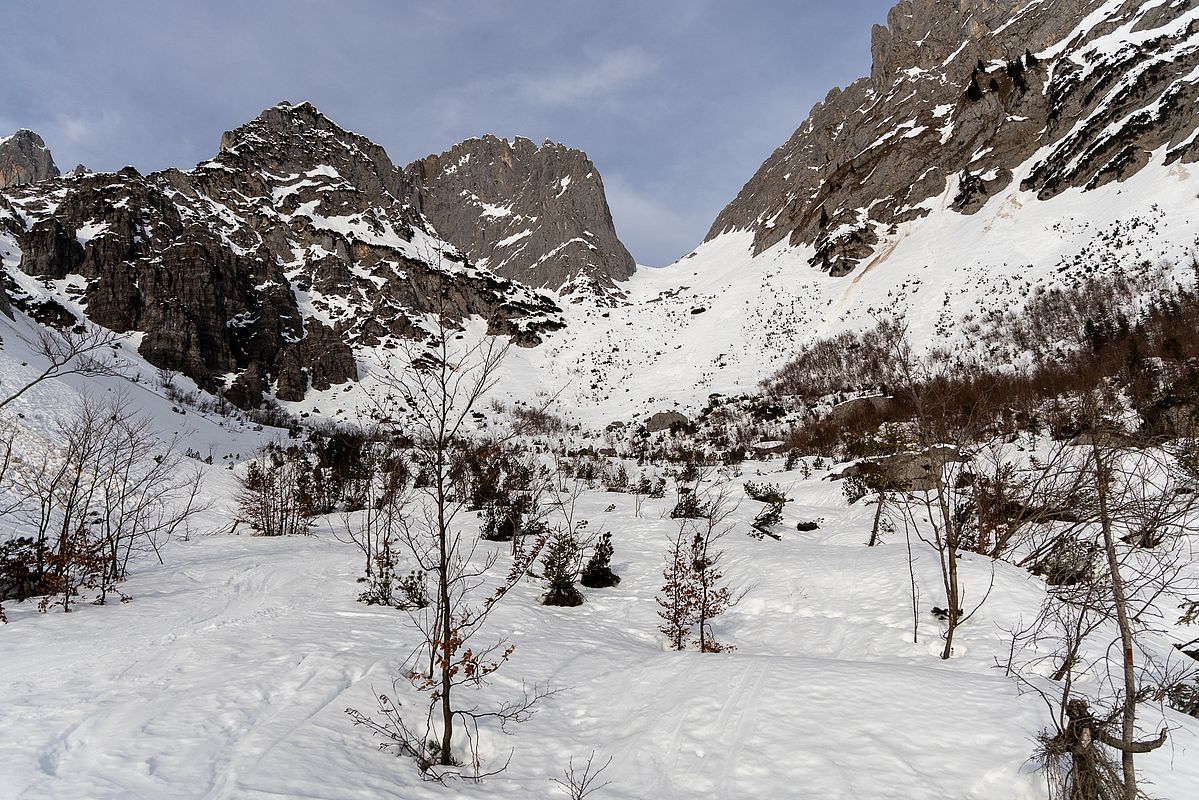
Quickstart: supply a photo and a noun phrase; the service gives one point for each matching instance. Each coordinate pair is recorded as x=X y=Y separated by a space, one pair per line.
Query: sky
x=677 y=102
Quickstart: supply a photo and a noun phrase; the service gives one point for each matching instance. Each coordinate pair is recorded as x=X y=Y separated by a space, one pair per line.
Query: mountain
x=261 y=271
x=911 y=194
x=961 y=95
x=24 y=158
x=997 y=152
x=537 y=215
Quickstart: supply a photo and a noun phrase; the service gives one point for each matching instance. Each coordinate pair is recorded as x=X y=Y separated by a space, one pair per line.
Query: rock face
x=534 y=214
x=261 y=270
x=24 y=158
x=962 y=95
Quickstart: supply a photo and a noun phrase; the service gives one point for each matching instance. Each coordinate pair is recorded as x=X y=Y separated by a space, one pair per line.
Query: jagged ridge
x=262 y=269
x=965 y=94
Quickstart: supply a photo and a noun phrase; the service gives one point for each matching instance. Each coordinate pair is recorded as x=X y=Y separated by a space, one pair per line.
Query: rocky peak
x=923 y=33
x=962 y=96
x=534 y=214
x=24 y=158
x=295 y=139
x=264 y=270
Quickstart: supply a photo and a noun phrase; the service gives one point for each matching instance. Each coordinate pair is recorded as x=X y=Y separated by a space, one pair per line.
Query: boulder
x=664 y=420
x=904 y=472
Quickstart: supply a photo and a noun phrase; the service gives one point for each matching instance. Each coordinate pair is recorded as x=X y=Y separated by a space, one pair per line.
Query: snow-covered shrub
x=765 y=492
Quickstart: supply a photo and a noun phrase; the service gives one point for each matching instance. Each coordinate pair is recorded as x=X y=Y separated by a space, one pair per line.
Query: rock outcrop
x=262 y=270
x=961 y=96
x=665 y=420
x=533 y=214
x=24 y=158
x=904 y=472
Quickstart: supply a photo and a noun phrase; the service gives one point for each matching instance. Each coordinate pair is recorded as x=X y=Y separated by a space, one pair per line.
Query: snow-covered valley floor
x=229 y=672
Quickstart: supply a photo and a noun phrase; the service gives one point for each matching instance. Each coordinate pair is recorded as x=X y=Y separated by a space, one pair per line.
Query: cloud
x=676 y=101
x=651 y=226
x=606 y=75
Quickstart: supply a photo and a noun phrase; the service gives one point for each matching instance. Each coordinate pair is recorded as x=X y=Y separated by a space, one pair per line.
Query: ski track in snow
x=227 y=676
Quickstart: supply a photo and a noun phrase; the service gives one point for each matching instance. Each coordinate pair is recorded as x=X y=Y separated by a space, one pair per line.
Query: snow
x=514 y=238
x=650 y=352
x=490 y=210
x=90 y=231
x=228 y=673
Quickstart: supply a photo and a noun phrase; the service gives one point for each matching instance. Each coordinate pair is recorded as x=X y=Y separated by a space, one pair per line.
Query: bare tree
x=676 y=599
x=66 y=354
x=375 y=522
x=713 y=596
x=581 y=782
x=1138 y=510
x=275 y=492
x=694 y=591
x=429 y=399
x=1129 y=504
x=107 y=490
x=147 y=492
x=930 y=486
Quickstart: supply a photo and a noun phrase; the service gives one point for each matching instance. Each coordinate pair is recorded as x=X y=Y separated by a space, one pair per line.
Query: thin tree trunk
x=1129 y=711
x=447 y=710
x=950 y=555
x=878 y=516
x=915 y=594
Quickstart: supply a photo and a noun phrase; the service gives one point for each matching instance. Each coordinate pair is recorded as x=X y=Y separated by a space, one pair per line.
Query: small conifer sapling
x=598 y=574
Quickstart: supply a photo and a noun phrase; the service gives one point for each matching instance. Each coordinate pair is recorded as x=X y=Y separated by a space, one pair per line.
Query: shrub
x=560 y=566
x=275 y=496
x=18 y=569
x=688 y=505
x=769 y=517
x=598 y=574
x=854 y=489
x=764 y=492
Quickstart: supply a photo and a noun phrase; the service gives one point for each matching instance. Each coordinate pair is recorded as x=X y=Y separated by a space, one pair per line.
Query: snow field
x=228 y=674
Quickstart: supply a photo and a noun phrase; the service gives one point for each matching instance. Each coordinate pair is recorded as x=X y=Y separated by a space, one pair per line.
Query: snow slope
x=228 y=673
x=721 y=320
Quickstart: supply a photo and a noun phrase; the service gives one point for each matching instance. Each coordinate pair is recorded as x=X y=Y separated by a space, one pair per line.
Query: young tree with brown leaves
x=428 y=398
x=695 y=591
